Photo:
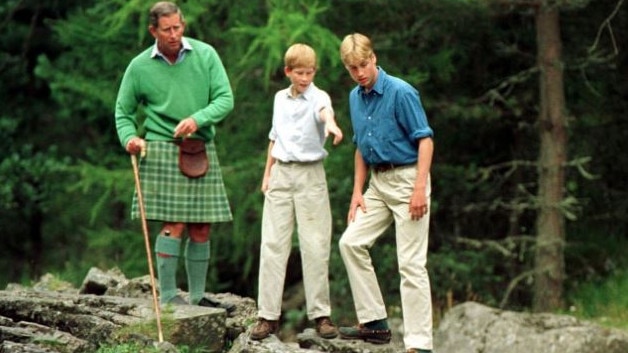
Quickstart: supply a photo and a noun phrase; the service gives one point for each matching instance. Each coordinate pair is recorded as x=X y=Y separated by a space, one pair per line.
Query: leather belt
x=384 y=167
x=297 y=163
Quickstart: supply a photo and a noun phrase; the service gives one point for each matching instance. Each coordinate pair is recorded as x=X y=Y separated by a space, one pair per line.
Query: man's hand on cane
x=136 y=145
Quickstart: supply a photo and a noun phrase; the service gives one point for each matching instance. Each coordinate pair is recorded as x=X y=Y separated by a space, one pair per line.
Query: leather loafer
x=264 y=328
x=325 y=328
x=362 y=333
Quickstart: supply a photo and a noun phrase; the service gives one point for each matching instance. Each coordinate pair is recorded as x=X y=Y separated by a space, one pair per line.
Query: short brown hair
x=163 y=8
x=355 y=48
x=300 y=55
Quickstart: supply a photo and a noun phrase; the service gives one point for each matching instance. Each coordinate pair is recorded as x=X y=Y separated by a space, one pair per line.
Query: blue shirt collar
x=378 y=87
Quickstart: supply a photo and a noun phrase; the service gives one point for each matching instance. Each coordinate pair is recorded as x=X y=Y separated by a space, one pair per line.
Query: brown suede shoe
x=325 y=328
x=264 y=328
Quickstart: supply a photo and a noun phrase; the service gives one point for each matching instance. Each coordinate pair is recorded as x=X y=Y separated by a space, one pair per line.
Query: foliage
x=289 y=22
x=31 y=179
x=603 y=300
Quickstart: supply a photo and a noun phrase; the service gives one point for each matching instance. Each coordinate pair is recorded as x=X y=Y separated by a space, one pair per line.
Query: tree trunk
x=550 y=226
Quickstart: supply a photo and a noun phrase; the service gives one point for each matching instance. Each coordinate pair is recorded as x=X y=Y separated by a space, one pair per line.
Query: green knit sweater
x=196 y=87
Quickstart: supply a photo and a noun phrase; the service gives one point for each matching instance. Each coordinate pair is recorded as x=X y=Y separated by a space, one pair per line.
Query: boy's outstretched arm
x=327 y=115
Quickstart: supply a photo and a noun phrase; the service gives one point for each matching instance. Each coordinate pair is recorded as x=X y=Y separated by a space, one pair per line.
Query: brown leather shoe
x=325 y=328
x=264 y=328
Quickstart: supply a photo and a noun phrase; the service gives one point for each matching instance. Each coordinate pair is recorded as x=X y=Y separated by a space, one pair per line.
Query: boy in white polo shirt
x=295 y=189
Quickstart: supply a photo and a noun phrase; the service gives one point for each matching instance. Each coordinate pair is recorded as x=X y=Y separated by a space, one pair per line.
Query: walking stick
x=140 y=202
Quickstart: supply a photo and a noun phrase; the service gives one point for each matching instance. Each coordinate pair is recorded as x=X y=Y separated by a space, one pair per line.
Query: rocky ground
x=53 y=317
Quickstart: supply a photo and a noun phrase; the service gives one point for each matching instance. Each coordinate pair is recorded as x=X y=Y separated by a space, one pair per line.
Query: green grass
x=125 y=348
x=147 y=329
x=604 y=302
x=136 y=348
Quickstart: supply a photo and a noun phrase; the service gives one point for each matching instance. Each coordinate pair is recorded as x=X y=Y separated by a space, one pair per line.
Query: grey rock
x=14 y=347
x=271 y=344
x=310 y=340
x=52 y=317
x=99 y=282
x=476 y=328
x=79 y=323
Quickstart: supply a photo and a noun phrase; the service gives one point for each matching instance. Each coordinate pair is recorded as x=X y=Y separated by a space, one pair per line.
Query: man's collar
x=185 y=46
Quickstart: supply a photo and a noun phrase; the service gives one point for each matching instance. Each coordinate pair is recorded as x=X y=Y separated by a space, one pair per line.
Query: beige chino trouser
x=297 y=192
x=387 y=201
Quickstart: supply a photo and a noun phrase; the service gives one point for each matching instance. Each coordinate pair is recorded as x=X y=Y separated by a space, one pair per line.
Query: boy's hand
x=357 y=201
x=332 y=128
x=265 y=182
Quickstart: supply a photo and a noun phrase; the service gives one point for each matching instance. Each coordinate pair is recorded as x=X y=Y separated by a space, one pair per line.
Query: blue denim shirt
x=388 y=121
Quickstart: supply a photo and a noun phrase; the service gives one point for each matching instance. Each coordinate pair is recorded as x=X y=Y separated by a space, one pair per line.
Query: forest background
x=67 y=183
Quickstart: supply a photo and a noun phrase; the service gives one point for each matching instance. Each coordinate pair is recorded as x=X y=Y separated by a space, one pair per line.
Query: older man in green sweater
x=182 y=89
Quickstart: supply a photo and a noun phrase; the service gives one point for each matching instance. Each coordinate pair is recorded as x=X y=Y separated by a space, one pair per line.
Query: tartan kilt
x=170 y=196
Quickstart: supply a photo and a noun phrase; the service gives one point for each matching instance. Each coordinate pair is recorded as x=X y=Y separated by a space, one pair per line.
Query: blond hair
x=300 y=55
x=355 y=48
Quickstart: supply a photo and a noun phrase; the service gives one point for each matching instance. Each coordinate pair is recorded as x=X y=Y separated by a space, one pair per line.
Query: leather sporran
x=193 y=161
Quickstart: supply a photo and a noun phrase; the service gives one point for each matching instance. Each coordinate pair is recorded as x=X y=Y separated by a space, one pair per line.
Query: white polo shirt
x=297 y=128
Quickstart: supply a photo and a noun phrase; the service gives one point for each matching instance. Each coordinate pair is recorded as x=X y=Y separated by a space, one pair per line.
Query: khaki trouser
x=296 y=192
x=387 y=201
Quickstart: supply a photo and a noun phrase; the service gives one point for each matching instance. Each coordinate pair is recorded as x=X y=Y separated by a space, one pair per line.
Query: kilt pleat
x=170 y=196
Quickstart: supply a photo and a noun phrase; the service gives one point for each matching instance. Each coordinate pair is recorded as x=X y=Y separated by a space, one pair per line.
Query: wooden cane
x=140 y=202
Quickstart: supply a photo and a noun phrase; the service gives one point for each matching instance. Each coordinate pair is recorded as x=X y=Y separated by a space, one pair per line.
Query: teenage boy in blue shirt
x=394 y=142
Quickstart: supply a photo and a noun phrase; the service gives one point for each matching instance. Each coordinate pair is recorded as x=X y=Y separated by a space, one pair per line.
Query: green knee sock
x=196 y=262
x=167 y=266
